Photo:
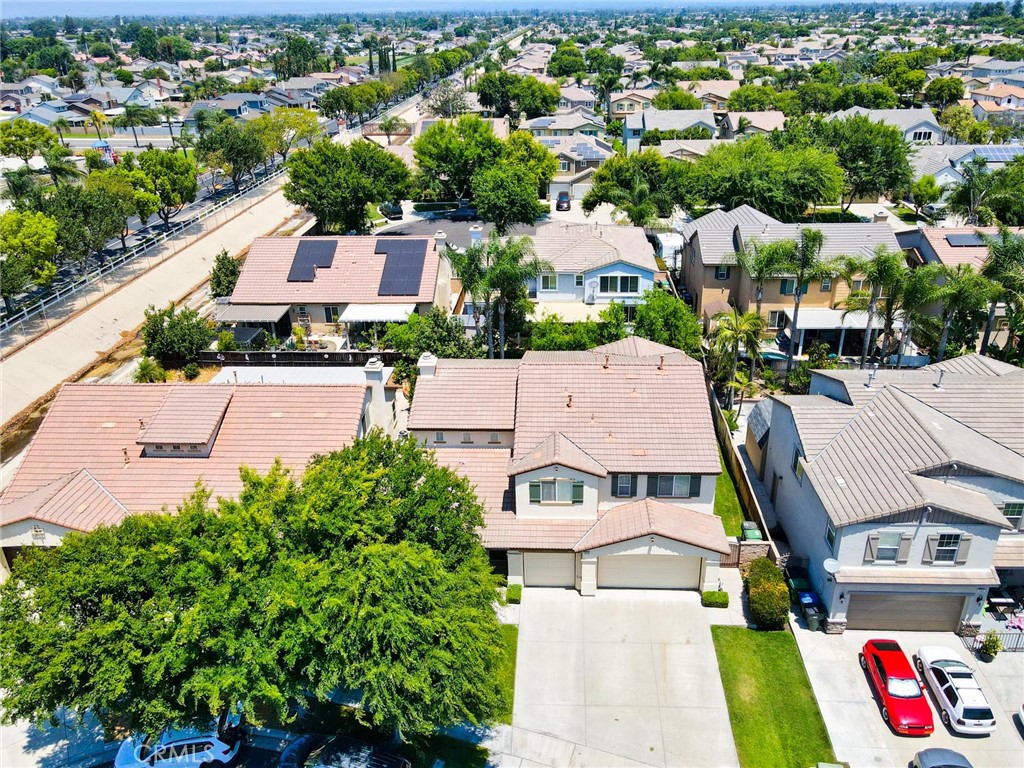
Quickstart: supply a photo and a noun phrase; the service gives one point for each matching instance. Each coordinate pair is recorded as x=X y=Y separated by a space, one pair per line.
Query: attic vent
x=276 y=414
x=840 y=481
x=638 y=452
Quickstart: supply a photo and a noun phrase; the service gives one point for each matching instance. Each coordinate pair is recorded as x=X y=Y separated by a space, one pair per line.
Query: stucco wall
x=453 y=439
x=705 y=502
x=550 y=511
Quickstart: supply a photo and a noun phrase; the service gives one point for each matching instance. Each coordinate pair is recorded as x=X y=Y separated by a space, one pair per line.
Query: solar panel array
x=309 y=255
x=403 y=266
x=1000 y=153
x=962 y=241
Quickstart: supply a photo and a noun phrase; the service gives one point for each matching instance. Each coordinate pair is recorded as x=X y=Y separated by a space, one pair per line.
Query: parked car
x=904 y=705
x=962 y=705
x=940 y=758
x=215 y=746
x=342 y=752
x=390 y=211
x=934 y=210
x=564 y=202
x=463 y=214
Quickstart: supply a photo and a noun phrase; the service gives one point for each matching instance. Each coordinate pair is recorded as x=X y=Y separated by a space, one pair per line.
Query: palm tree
x=919 y=289
x=96 y=120
x=1005 y=266
x=734 y=330
x=607 y=83
x=806 y=265
x=58 y=165
x=964 y=293
x=968 y=198
x=60 y=125
x=470 y=267
x=391 y=124
x=186 y=139
x=20 y=183
x=763 y=262
x=881 y=273
x=168 y=113
x=135 y=115
x=635 y=201
x=744 y=386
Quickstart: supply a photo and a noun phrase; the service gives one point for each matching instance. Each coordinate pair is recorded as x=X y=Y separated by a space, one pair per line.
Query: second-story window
x=467 y=438
x=494 y=438
x=556 y=491
x=830 y=536
x=620 y=284
x=947 y=548
x=439 y=437
x=888 y=547
x=721 y=273
x=673 y=486
x=826 y=283
x=563 y=165
x=1013 y=512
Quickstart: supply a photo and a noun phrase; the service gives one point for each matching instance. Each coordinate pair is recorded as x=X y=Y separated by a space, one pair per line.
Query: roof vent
x=124 y=452
x=142 y=424
x=569 y=402
x=942 y=373
x=871 y=379
x=606 y=359
x=661 y=364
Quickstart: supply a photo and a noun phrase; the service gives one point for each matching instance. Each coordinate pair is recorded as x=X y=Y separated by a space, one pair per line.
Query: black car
x=391 y=211
x=563 y=203
x=314 y=751
x=463 y=214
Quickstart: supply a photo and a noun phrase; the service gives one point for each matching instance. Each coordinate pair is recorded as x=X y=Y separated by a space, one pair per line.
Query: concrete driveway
x=853 y=718
x=626 y=678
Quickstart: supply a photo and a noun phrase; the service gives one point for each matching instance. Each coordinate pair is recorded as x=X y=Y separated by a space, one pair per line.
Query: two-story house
x=911 y=483
x=1000 y=99
x=578 y=122
x=918 y=126
x=595 y=469
x=572 y=96
x=739 y=124
x=630 y=102
x=636 y=125
x=592 y=266
x=578 y=157
x=713 y=94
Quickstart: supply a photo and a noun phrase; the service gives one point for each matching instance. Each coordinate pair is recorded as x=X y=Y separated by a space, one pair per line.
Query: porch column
x=842 y=338
x=800 y=350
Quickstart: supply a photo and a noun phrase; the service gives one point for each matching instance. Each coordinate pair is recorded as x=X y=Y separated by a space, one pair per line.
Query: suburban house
x=573 y=96
x=593 y=265
x=321 y=283
x=713 y=278
x=636 y=125
x=737 y=124
x=579 y=157
x=48 y=112
x=713 y=93
x=998 y=99
x=689 y=150
x=241 y=106
x=945 y=161
x=913 y=481
x=997 y=68
x=595 y=469
x=105 y=451
x=628 y=102
x=919 y=126
x=578 y=122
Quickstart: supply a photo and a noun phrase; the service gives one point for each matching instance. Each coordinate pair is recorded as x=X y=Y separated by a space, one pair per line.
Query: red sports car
x=904 y=705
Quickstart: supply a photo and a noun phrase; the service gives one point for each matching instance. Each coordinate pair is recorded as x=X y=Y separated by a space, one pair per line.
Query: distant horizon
x=33 y=9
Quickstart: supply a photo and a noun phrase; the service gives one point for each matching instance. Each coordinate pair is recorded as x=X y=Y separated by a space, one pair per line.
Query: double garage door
x=932 y=613
x=558 y=569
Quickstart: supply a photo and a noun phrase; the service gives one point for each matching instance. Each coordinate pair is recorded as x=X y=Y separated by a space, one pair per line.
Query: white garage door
x=579 y=190
x=932 y=613
x=648 y=571
x=549 y=569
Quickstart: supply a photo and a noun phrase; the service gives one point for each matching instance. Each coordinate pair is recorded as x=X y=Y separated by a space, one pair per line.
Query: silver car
x=962 y=705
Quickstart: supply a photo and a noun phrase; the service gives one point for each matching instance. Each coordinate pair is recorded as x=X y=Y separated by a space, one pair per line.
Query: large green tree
x=235 y=149
x=635 y=185
x=23 y=138
x=436 y=332
x=873 y=156
x=28 y=241
x=336 y=182
x=448 y=154
x=668 y=320
x=506 y=195
x=174 y=180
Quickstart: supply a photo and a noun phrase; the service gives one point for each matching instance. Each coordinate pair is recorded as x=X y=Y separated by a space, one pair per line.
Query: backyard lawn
x=727 y=504
x=507 y=671
x=775 y=718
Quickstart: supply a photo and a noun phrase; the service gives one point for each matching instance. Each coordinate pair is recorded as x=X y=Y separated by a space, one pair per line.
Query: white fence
x=39 y=317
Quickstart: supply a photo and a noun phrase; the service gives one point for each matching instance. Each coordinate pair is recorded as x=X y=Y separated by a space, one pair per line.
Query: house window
x=673 y=486
x=620 y=284
x=579 y=281
x=494 y=438
x=1013 y=513
x=888 y=547
x=630 y=310
x=722 y=273
x=549 y=282
x=467 y=438
x=830 y=536
x=922 y=136
x=563 y=165
x=796 y=459
x=556 y=491
x=331 y=314
x=857 y=285
x=826 y=283
x=776 y=318
x=800 y=472
x=625 y=485
x=787 y=287
x=301 y=310
x=635 y=133
x=947 y=547
x=439 y=437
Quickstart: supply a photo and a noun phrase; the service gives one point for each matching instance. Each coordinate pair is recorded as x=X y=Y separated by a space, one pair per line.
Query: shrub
x=191 y=372
x=174 y=336
x=226 y=342
x=991 y=645
x=769 y=605
x=714 y=599
x=149 y=372
x=764 y=571
x=514 y=593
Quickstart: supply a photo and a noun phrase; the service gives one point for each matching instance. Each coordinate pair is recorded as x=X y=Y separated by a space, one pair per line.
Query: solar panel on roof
x=309 y=255
x=403 y=266
x=962 y=241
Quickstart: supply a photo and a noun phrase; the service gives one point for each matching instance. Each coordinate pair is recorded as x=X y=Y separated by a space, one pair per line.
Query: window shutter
x=632 y=486
x=694 y=485
x=929 y=548
x=577 y=493
x=652 y=485
x=871 y=551
x=615 y=485
x=535 y=493
x=904 y=552
x=964 y=550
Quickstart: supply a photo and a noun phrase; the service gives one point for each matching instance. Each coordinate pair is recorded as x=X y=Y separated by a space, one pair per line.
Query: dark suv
x=563 y=203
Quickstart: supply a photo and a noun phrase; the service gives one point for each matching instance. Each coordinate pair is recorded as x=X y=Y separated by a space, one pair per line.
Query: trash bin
x=814 y=618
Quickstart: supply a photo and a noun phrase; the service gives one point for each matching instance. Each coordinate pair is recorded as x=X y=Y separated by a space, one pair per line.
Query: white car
x=215 y=746
x=962 y=705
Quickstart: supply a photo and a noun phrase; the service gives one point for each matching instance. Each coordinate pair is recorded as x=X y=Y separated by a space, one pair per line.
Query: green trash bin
x=814 y=618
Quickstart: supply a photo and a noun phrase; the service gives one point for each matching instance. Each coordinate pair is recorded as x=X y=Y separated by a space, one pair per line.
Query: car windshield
x=904 y=688
x=978 y=713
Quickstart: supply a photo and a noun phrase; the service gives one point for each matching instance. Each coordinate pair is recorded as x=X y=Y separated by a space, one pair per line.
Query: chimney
x=476 y=235
x=938 y=384
x=440 y=241
x=374 y=370
x=427 y=365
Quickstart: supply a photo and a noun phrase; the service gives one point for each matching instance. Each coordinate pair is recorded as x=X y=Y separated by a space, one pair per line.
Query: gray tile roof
x=670 y=119
x=900 y=118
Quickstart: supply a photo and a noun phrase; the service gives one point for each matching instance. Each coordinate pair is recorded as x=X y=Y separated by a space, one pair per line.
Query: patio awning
x=819 y=319
x=250 y=313
x=377 y=313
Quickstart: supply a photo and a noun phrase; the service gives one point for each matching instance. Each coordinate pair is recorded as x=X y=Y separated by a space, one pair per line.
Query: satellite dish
x=831 y=565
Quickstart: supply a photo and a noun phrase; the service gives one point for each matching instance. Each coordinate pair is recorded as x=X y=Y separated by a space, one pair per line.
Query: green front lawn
x=507 y=671
x=775 y=718
x=727 y=503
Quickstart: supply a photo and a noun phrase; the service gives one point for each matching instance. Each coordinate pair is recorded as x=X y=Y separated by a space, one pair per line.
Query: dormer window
x=556 y=491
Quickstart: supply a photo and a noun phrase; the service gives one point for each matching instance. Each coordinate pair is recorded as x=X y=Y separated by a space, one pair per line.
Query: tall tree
x=389 y=125
x=881 y=273
x=448 y=154
x=506 y=195
x=224 y=274
x=733 y=330
x=634 y=184
x=136 y=116
x=23 y=138
x=663 y=318
x=805 y=264
x=174 y=180
x=28 y=240
x=873 y=156
x=510 y=264
x=965 y=295
x=1005 y=267
x=60 y=125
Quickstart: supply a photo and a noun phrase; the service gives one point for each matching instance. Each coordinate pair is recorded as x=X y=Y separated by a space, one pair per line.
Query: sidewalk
x=32 y=371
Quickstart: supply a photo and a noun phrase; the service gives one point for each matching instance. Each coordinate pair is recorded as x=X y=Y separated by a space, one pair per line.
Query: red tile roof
x=557 y=449
x=467 y=395
x=649 y=516
x=187 y=415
